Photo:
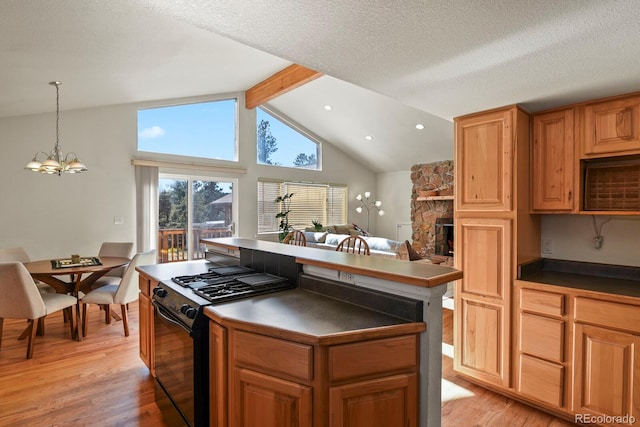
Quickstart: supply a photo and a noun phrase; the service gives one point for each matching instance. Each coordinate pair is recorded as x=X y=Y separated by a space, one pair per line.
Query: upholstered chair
x=18 y=254
x=119 y=249
x=21 y=299
x=124 y=292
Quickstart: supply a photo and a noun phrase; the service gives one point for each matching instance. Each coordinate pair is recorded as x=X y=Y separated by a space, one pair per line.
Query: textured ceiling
x=392 y=63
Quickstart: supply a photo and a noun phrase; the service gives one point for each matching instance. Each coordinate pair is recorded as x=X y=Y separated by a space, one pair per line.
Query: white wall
x=572 y=238
x=55 y=216
x=394 y=191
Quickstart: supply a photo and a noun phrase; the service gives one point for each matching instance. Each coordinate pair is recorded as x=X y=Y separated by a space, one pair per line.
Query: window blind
x=311 y=202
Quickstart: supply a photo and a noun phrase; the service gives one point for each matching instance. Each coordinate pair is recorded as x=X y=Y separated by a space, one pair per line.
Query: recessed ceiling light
x=328 y=107
x=420 y=126
x=368 y=137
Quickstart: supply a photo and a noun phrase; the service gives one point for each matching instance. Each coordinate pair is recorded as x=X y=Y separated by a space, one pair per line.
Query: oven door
x=181 y=366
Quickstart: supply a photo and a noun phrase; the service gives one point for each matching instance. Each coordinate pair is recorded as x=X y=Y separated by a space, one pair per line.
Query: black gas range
x=181 y=337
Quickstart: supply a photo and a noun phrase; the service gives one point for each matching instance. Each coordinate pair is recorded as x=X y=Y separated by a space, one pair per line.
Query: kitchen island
x=418 y=281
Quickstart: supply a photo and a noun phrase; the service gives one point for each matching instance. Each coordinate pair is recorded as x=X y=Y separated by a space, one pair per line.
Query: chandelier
x=56 y=162
x=366 y=204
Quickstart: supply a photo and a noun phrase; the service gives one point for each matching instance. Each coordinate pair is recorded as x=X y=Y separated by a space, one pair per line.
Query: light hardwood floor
x=101 y=381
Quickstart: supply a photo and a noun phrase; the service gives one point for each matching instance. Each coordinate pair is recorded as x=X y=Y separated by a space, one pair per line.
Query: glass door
x=192 y=208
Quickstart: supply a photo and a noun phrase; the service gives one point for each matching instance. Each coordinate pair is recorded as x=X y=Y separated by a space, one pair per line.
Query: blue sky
x=207 y=129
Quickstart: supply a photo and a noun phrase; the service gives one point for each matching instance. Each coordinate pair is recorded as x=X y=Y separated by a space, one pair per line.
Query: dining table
x=81 y=275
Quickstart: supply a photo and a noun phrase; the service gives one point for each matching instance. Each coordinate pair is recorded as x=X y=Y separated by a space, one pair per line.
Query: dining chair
x=354 y=245
x=21 y=299
x=119 y=249
x=18 y=254
x=295 y=237
x=124 y=292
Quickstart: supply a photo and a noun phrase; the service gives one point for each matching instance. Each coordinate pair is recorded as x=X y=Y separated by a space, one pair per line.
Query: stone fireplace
x=425 y=213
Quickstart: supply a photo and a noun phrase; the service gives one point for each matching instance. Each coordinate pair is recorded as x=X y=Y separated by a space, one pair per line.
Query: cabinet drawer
x=542 y=337
x=541 y=380
x=372 y=357
x=273 y=355
x=542 y=302
x=607 y=313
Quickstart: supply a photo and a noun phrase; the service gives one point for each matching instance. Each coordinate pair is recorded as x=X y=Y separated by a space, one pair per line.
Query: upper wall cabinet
x=612 y=128
x=552 y=162
x=484 y=151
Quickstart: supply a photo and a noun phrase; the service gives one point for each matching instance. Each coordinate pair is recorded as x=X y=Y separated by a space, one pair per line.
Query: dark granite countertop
x=303 y=312
x=605 y=278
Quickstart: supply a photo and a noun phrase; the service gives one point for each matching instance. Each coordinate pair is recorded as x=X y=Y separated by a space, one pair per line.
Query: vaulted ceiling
x=388 y=64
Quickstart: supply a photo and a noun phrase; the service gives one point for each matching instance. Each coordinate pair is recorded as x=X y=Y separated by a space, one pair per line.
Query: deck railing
x=173 y=243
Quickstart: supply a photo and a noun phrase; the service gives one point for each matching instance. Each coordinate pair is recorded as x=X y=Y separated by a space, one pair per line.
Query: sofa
x=332 y=235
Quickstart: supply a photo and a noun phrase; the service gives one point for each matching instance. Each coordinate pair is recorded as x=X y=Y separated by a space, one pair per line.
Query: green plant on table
x=283 y=215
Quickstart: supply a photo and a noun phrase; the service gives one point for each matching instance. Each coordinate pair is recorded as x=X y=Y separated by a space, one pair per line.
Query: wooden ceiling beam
x=281 y=82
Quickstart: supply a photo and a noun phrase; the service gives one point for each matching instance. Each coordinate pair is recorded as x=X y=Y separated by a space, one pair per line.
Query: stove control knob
x=159 y=292
x=184 y=308
x=191 y=313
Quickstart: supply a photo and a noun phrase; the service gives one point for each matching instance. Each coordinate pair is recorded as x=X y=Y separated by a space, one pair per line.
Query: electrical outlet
x=118 y=220
x=547 y=246
x=346 y=277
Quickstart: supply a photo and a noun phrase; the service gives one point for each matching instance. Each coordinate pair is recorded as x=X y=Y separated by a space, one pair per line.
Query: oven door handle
x=160 y=311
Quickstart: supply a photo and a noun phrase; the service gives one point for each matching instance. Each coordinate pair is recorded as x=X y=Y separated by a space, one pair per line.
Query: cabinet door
x=382 y=402
x=483 y=159
x=482 y=322
x=552 y=162
x=266 y=401
x=217 y=375
x=145 y=316
x=607 y=372
x=612 y=127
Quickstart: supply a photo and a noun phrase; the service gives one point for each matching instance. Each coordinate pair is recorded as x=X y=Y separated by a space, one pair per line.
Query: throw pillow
x=342 y=228
x=315 y=236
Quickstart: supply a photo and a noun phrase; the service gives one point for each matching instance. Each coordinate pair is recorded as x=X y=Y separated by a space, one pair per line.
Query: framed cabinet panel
x=607 y=368
x=553 y=162
x=612 y=127
x=484 y=161
x=263 y=400
x=389 y=401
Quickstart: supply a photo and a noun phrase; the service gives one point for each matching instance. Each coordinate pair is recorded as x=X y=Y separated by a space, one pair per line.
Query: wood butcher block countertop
x=408 y=272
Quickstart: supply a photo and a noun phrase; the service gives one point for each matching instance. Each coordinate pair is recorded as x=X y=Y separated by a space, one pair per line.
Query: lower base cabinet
x=578 y=353
x=145 y=313
x=267 y=401
x=382 y=402
x=351 y=381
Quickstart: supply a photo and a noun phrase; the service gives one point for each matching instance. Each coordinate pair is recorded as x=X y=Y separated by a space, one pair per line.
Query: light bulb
x=359 y=197
x=378 y=203
x=367 y=194
x=381 y=212
x=359 y=209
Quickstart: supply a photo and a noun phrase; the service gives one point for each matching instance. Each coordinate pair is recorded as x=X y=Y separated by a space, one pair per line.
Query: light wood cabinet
x=607 y=358
x=483 y=300
x=355 y=381
x=493 y=230
x=607 y=365
x=145 y=313
x=218 y=412
x=553 y=163
x=264 y=400
x=612 y=127
x=483 y=159
x=541 y=354
x=384 y=402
